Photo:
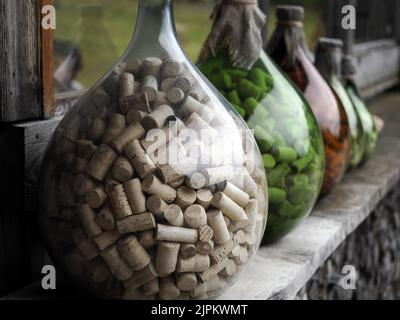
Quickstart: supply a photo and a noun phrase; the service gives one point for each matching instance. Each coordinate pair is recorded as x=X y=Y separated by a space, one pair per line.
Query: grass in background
x=102 y=41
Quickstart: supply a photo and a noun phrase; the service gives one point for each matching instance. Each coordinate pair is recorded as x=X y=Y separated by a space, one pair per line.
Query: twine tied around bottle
x=238 y=26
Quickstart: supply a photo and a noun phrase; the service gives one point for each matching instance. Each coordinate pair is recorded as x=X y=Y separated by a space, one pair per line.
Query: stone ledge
x=281 y=270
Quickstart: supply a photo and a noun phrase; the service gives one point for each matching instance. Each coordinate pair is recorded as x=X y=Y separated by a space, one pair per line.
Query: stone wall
x=373 y=249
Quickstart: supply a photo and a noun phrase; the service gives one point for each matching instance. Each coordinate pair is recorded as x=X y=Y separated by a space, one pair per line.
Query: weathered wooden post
x=26 y=94
x=25 y=63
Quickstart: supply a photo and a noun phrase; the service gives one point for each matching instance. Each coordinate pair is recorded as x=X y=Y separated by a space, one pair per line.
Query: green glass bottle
x=369 y=129
x=328 y=59
x=285 y=129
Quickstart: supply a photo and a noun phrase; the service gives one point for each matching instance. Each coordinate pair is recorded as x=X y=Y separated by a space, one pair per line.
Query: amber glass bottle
x=289 y=50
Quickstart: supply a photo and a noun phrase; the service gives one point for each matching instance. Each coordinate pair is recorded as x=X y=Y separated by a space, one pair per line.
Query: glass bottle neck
x=155 y=26
x=328 y=64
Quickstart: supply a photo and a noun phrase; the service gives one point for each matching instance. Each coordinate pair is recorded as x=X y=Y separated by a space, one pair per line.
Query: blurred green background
x=102 y=35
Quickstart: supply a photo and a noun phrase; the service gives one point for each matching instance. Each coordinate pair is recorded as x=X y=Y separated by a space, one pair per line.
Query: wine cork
x=143 y=164
x=173 y=153
x=185 y=197
x=88 y=220
x=136 y=197
x=97 y=129
x=185 y=82
x=230 y=269
x=191 y=105
x=119 y=202
x=117 y=264
x=116 y=125
x=195 y=216
x=187 y=250
x=203 y=198
x=141 y=277
x=176 y=234
x=205 y=247
x=248 y=224
x=150 y=87
x=175 y=95
x=217 y=223
x=213 y=284
x=237 y=195
x=228 y=207
x=152 y=185
x=135 y=116
x=218 y=174
x=107 y=239
x=86 y=246
x=186 y=281
x=101 y=98
x=171 y=68
x=249 y=185
x=167 y=257
x=220 y=252
x=96 y=197
x=157 y=138
x=177 y=183
x=126 y=84
x=242 y=257
x=173 y=214
x=138 y=101
x=98 y=270
x=122 y=169
x=151 y=288
x=134 y=66
x=168 y=289
x=132 y=132
x=197 y=123
x=169 y=173
x=138 y=222
x=168 y=83
x=156 y=205
x=158 y=117
x=152 y=66
x=196 y=180
x=110 y=183
x=198 y=93
x=198 y=263
x=78 y=165
x=213 y=270
x=239 y=237
x=206 y=233
x=138 y=88
x=102 y=160
x=147 y=239
x=85 y=149
x=161 y=99
x=133 y=252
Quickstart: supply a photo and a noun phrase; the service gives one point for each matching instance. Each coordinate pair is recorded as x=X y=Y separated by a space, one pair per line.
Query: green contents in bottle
x=286 y=133
x=370 y=132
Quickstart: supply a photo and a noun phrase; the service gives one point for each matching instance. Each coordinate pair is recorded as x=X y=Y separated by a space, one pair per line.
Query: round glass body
x=151 y=187
x=286 y=132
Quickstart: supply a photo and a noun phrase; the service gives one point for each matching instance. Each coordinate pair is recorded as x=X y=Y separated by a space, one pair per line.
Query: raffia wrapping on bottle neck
x=238 y=25
x=292 y=33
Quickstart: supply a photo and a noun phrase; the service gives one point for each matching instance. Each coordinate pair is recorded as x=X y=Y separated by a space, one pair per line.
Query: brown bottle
x=289 y=50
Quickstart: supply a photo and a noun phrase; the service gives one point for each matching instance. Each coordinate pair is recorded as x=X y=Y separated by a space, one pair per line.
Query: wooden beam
x=378 y=66
x=47 y=68
x=23 y=146
x=20 y=61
